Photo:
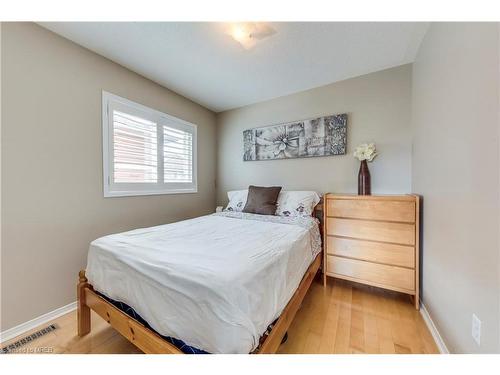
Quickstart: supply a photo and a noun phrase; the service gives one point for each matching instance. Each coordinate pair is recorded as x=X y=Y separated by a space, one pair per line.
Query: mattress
x=215 y=282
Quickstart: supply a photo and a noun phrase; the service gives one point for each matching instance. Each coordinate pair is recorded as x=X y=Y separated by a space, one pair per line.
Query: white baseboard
x=434 y=331
x=27 y=326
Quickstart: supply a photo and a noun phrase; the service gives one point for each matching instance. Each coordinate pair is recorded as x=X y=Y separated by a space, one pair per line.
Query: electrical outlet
x=476 y=329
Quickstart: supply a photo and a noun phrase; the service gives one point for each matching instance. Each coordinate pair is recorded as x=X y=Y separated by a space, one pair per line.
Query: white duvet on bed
x=216 y=282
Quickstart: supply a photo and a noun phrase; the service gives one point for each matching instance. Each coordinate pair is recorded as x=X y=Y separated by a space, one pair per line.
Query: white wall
x=52 y=188
x=378 y=107
x=456 y=169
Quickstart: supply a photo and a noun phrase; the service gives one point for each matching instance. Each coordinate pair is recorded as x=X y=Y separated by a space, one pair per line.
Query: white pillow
x=237 y=200
x=297 y=203
x=290 y=203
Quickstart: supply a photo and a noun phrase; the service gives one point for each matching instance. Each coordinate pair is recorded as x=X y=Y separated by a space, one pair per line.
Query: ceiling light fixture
x=249 y=33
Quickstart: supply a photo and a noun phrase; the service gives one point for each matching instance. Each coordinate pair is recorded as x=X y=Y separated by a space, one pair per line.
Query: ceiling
x=200 y=61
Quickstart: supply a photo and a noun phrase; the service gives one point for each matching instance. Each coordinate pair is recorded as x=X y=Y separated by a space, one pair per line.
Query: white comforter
x=216 y=282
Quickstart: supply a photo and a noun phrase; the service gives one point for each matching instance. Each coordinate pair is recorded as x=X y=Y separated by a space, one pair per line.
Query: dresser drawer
x=391 y=277
x=388 y=210
x=396 y=255
x=398 y=233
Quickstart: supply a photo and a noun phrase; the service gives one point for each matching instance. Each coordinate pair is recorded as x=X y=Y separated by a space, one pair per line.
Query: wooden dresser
x=373 y=240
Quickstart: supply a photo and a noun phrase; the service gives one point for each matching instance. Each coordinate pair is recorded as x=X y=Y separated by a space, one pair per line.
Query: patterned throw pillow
x=237 y=200
x=297 y=203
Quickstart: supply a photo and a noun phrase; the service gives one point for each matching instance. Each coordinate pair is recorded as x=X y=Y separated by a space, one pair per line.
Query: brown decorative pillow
x=262 y=200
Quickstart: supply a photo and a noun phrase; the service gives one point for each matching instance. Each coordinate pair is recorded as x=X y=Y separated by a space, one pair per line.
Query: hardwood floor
x=341 y=318
x=351 y=318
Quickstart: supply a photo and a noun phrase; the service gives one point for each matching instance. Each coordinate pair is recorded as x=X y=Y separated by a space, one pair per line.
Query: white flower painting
x=323 y=136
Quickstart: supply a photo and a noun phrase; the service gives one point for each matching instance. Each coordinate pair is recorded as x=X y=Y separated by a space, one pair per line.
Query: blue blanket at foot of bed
x=132 y=313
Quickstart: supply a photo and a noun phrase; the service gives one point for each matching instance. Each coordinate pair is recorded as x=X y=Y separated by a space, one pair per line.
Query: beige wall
x=378 y=107
x=0 y=172
x=51 y=189
x=52 y=196
x=498 y=150
x=456 y=169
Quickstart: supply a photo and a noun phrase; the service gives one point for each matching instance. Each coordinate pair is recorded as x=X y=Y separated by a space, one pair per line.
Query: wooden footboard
x=139 y=335
x=152 y=343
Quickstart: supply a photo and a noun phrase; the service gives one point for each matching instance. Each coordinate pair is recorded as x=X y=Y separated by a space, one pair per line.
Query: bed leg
x=83 y=310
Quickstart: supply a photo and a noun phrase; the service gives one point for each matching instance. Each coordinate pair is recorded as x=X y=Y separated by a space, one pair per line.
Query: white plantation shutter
x=135 y=149
x=177 y=155
x=146 y=151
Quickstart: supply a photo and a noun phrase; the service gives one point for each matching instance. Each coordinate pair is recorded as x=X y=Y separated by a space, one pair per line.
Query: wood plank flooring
x=341 y=318
x=349 y=318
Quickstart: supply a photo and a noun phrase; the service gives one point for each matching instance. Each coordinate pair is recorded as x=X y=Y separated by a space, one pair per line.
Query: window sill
x=112 y=194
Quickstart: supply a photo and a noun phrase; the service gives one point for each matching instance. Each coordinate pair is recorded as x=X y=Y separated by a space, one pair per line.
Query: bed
x=229 y=282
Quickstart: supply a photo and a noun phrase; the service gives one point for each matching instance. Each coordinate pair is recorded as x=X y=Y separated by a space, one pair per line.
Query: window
x=145 y=151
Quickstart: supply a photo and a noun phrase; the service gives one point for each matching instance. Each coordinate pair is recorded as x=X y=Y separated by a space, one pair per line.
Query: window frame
x=112 y=102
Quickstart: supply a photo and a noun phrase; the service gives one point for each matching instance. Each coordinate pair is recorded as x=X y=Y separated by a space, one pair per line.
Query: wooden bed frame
x=150 y=342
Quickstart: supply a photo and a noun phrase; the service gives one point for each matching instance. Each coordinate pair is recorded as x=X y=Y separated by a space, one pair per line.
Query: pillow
x=262 y=200
x=237 y=200
x=297 y=203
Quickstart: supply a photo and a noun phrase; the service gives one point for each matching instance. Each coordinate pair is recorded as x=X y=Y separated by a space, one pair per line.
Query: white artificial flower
x=365 y=151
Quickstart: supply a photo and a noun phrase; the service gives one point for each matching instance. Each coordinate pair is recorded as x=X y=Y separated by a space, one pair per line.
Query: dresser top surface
x=402 y=197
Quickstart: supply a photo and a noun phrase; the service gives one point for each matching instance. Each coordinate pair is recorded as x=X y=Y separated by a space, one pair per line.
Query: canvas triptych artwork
x=322 y=136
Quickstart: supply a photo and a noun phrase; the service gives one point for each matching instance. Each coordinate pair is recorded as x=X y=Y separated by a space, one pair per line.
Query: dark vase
x=364 y=184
